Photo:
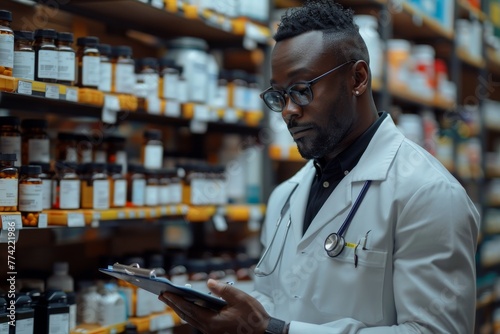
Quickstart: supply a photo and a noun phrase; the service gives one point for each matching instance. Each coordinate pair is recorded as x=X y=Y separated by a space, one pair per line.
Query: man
x=376 y=236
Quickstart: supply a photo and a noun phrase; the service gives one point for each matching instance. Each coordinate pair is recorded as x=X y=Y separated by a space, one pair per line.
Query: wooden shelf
x=493 y=61
x=465 y=57
x=403 y=95
x=466 y=10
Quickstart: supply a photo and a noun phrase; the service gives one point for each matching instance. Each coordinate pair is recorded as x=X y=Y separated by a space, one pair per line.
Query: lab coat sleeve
x=265 y=300
x=434 y=267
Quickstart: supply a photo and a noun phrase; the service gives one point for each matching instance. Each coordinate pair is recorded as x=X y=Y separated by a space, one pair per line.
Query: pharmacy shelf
x=493 y=61
x=466 y=58
x=404 y=96
x=163 y=23
x=43 y=106
x=466 y=10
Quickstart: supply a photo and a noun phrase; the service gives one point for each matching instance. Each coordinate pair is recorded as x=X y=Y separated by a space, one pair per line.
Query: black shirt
x=329 y=174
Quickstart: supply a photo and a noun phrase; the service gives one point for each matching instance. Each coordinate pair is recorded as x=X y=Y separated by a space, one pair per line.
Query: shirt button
x=346 y=172
x=326 y=184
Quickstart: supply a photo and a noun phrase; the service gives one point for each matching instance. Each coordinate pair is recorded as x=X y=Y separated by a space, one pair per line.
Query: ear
x=361 y=77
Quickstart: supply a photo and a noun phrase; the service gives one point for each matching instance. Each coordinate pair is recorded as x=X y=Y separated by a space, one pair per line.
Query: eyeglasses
x=300 y=92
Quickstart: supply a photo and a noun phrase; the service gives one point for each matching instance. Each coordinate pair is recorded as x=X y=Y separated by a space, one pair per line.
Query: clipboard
x=147 y=280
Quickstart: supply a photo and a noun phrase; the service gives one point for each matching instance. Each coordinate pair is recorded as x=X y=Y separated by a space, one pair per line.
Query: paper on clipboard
x=147 y=280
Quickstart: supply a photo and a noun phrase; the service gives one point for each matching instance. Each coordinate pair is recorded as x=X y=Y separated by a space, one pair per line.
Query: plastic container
x=67 y=59
x=191 y=54
x=105 y=68
x=66 y=187
x=24 y=55
x=169 y=78
x=117 y=186
x=9 y=177
x=112 y=307
x=88 y=305
x=10 y=137
x=95 y=187
x=422 y=59
x=46 y=55
x=123 y=77
x=30 y=194
x=368 y=26
x=35 y=141
x=152 y=149
x=60 y=279
x=6 y=43
x=89 y=61
x=398 y=55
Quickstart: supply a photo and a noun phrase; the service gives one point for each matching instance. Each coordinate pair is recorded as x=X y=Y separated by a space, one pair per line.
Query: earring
x=356 y=92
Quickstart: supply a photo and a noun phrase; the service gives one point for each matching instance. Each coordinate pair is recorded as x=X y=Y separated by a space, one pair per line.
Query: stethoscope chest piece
x=334 y=245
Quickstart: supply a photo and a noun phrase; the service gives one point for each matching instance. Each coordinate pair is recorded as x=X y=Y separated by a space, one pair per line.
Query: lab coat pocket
x=353 y=291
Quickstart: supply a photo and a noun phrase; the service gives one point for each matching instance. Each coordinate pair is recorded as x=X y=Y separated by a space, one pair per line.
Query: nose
x=291 y=109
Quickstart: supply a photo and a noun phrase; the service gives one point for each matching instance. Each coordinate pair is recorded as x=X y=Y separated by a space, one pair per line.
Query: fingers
x=227 y=292
x=184 y=309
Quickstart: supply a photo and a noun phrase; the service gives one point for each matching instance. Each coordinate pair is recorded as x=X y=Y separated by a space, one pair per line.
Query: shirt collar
x=349 y=158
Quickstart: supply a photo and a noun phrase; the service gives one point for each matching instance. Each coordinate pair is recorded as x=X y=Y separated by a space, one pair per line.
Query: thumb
x=227 y=292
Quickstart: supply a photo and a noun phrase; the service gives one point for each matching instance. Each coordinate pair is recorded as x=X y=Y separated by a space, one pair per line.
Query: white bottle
x=60 y=280
x=88 y=305
x=368 y=30
x=112 y=308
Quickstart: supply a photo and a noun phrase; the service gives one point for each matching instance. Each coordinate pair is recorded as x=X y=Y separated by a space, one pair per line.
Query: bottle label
x=69 y=194
x=100 y=156
x=240 y=100
x=46 y=194
x=153 y=156
x=30 y=197
x=151 y=195
x=72 y=317
x=39 y=150
x=66 y=69
x=24 y=65
x=121 y=159
x=91 y=71
x=175 y=191
x=47 y=64
x=8 y=192
x=101 y=194
x=23 y=326
x=106 y=74
x=11 y=145
x=163 y=195
x=199 y=194
x=138 y=192
x=150 y=82
x=170 y=82
x=7 y=50
x=120 y=193
x=71 y=154
x=86 y=155
x=124 y=78
x=197 y=81
x=59 y=323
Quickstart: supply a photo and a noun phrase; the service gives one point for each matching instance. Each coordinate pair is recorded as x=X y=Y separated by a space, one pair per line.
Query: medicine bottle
x=52 y=312
x=182 y=86
x=95 y=186
x=60 y=279
x=116 y=151
x=117 y=186
x=152 y=149
x=10 y=137
x=152 y=188
x=175 y=177
x=67 y=59
x=222 y=96
x=237 y=90
x=101 y=150
x=6 y=43
x=30 y=194
x=46 y=176
x=169 y=77
x=66 y=149
x=35 y=141
x=105 y=67
x=84 y=148
x=66 y=186
x=136 y=183
x=147 y=73
x=24 y=55
x=163 y=182
x=112 y=308
x=46 y=55
x=24 y=314
x=9 y=176
x=123 y=76
x=89 y=61
x=88 y=304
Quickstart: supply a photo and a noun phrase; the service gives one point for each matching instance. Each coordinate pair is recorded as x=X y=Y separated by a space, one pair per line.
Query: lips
x=296 y=131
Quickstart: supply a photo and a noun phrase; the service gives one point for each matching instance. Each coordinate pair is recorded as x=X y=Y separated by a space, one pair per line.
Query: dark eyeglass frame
x=307 y=87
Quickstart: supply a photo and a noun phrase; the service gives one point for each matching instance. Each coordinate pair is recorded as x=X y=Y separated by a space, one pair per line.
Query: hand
x=243 y=313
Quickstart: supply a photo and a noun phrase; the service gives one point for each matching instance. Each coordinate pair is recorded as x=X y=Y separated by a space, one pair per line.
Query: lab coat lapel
x=299 y=199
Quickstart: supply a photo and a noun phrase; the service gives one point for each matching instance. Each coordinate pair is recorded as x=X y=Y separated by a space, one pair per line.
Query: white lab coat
x=417 y=273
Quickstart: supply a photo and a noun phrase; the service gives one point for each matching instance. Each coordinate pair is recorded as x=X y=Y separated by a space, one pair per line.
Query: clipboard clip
x=134 y=269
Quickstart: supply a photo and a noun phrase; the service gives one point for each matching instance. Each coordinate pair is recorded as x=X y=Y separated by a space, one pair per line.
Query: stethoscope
x=334 y=243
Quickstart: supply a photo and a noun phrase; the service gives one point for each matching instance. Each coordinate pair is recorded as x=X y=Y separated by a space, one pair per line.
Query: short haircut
x=337 y=24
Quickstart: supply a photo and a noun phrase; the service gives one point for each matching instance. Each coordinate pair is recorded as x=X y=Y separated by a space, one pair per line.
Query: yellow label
x=495 y=13
x=38 y=86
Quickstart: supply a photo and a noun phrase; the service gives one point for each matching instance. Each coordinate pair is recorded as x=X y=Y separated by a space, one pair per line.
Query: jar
x=117 y=186
x=192 y=185
x=66 y=186
x=95 y=186
x=10 y=137
x=24 y=55
x=8 y=183
x=147 y=74
x=6 y=43
x=46 y=55
x=66 y=149
x=84 y=148
x=237 y=90
x=212 y=79
x=175 y=185
x=422 y=70
x=101 y=150
x=46 y=176
x=67 y=65
x=152 y=188
x=136 y=185
x=190 y=53
x=116 y=152
x=222 y=97
x=152 y=149
x=163 y=182
x=368 y=29
x=35 y=141
x=105 y=67
x=182 y=86
x=30 y=194
x=89 y=61
x=123 y=77
x=169 y=77
x=398 y=56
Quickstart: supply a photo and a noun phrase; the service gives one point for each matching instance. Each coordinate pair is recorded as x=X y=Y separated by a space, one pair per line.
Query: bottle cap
x=146 y=62
x=31 y=169
x=61 y=268
x=5 y=15
x=8 y=157
x=10 y=120
x=45 y=166
x=114 y=168
x=34 y=123
x=66 y=136
x=90 y=41
x=152 y=134
x=121 y=51
x=134 y=168
x=24 y=35
x=104 y=49
x=65 y=37
x=46 y=33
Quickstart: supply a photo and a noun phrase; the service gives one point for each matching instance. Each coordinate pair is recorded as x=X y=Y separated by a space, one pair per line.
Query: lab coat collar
x=373 y=165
